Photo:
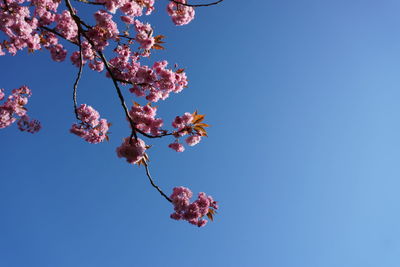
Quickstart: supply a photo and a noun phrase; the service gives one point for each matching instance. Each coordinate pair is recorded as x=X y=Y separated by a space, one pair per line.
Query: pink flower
x=57 y=52
x=191 y=212
x=193 y=140
x=183 y=121
x=15 y=106
x=144 y=117
x=144 y=35
x=177 y=147
x=30 y=126
x=66 y=25
x=132 y=150
x=180 y=14
x=92 y=129
x=97 y=65
x=127 y=19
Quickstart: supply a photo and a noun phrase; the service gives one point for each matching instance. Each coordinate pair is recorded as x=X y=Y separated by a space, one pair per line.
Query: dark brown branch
x=6 y=5
x=90 y=3
x=197 y=5
x=56 y=33
x=154 y=185
x=121 y=97
x=78 y=21
x=78 y=77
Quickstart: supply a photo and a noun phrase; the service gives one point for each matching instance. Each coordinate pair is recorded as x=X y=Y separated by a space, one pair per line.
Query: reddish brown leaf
x=202 y=124
x=198 y=118
x=200 y=130
x=158 y=47
x=158 y=38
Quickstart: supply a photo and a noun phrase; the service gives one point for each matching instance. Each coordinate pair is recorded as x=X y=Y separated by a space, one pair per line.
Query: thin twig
x=154 y=185
x=56 y=33
x=197 y=5
x=91 y=3
x=78 y=77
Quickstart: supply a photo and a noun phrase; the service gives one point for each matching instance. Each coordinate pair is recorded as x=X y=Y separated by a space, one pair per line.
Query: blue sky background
x=303 y=155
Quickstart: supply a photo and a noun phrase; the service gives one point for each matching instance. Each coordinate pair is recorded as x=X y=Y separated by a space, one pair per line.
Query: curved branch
x=154 y=185
x=197 y=5
x=78 y=77
x=90 y=3
x=44 y=28
x=79 y=23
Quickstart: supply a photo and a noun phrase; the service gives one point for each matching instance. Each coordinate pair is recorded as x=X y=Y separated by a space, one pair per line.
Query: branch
x=6 y=5
x=198 y=5
x=78 y=21
x=154 y=185
x=91 y=3
x=56 y=33
x=78 y=77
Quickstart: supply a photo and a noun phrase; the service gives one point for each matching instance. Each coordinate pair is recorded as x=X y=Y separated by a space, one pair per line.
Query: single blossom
x=177 y=147
x=193 y=140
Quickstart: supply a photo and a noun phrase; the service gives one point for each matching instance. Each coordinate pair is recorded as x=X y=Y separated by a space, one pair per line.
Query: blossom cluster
x=91 y=128
x=180 y=14
x=88 y=54
x=155 y=83
x=185 y=125
x=133 y=150
x=129 y=8
x=144 y=118
x=192 y=212
x=14 y=107
x=38 y=24
x=144 y=35
x=26 y=23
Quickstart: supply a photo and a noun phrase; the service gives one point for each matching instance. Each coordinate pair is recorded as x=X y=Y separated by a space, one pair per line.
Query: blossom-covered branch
x=38 y=24
x=196 y=5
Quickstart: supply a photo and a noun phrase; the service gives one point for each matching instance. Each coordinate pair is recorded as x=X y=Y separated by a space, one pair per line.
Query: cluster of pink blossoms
x=14 y=107
x=129 y=8
x=25 y=23
x=88 y=54
x=133 y=150
x=104 y=30
x=154 y=83
x=184 y=126
x=37 y=24
x=180 y=14
x=92 y=128
x=144 y=118
x=144 y=35
x=192 y=212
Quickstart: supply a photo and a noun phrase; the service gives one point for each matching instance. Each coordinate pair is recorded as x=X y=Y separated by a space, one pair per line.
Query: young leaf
x=158 y=47
x=198 y=118
x=202 y=124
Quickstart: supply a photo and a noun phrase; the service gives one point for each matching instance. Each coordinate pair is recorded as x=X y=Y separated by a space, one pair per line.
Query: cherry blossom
x=14 y=107
x=193 y=212
x=91 y=128
x=57 y=26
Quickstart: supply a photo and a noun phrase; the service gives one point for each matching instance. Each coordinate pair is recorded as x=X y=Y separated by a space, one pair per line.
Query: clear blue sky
x=303 y=155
